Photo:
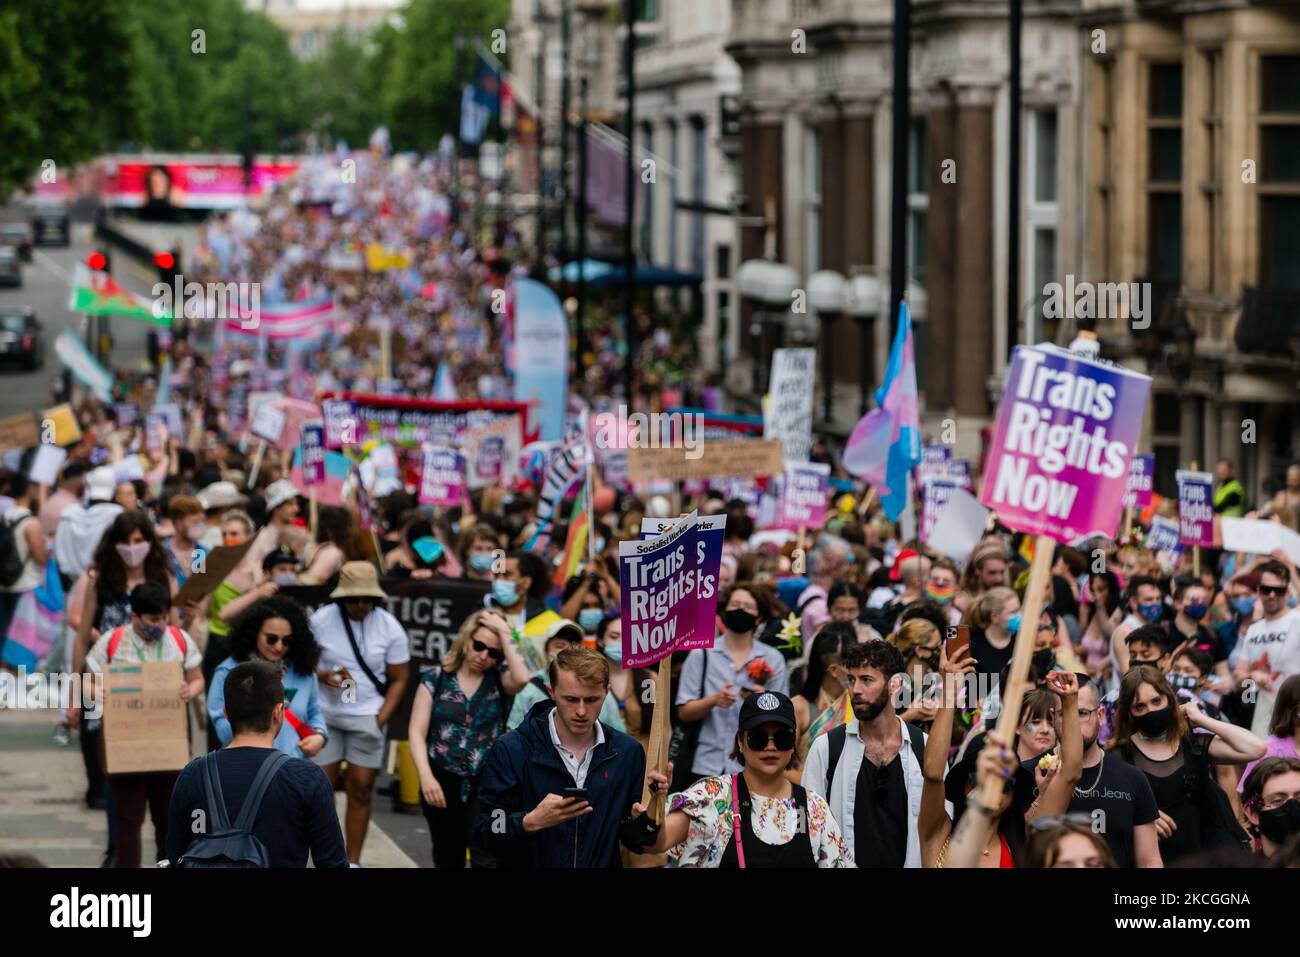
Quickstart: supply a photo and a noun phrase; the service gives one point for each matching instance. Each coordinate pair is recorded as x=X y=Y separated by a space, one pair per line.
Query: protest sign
x=126 y=413
x=171 y=413
x=268 y=423
x=959 y=471
x=803 y=496
x=708 y=560
x=1141 y=475
x=313 y=453
x=430 y=611
x=492 y=452
x=45 y=466
x=1195 y=508
x=217 y=566
x=155 y=432
x=789 y=415
x=657 y=585
x=936 y=494
x=413 y=422
x=442 y=478
x=541 y=355
x=958 y=526
x=1060 y=452
x=1258 y=537
x=340 y=417
x=748 y=458
x=66 y=430
x=18 y=432
x=146 y=724
x=128 y=469
x=1163 y=535
x=934 y=463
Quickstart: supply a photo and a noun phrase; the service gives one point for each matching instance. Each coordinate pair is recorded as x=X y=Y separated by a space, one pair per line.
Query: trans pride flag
x=886 y=443
x=287 y=322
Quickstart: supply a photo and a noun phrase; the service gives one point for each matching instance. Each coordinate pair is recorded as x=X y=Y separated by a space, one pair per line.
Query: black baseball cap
x=767 y=707
x=281 y=556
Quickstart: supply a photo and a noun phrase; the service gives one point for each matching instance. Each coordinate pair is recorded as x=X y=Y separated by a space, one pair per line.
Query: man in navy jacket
x=525 y=819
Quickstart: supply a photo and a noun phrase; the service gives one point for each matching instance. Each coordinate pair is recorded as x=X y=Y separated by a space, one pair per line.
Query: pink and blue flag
x=886 y=443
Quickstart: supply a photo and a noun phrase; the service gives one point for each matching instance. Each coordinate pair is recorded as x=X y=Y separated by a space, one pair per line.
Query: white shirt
x=382 y=641
x=1280 y=640
x=578 y=768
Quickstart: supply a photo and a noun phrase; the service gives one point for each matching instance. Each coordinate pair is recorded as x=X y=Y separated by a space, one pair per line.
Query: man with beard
x=870 y=769
x=1115 y=795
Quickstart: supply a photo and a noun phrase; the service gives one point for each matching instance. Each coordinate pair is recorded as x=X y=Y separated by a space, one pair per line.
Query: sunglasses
x=758 y=739
x=1273 y=589
x=1044 y=823
x=276 y=640
x=496 y=654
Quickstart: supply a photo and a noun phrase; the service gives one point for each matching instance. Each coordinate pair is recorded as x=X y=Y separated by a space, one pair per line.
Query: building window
x=1164 y=173
x=1041 y=213
x=1279 y=172
x=1044 y=155
x=918 y=199
x=699 y=188
x=812 y=167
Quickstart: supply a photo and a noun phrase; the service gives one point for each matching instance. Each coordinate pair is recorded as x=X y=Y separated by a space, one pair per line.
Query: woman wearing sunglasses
x=275 y=629
x=756 y=818
x=459 y=711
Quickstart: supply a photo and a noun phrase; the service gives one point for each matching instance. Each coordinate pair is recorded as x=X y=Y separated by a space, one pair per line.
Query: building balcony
x=1270 y=320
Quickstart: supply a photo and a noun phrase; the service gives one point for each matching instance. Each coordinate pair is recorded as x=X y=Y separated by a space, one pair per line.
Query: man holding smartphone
x=558 y=790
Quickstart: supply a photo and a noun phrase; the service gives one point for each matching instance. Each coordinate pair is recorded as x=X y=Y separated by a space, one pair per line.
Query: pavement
x=42 y=813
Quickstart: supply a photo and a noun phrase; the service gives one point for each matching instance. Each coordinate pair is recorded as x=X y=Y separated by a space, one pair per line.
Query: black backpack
x=11 y=565
x=840 y=733
x=224 y=845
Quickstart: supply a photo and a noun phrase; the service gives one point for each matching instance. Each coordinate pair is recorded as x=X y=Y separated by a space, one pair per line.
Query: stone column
x=942 y=347
x=972 y=319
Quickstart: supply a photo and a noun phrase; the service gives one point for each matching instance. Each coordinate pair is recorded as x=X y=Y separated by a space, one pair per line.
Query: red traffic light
x=97 y=260
x=164 y=260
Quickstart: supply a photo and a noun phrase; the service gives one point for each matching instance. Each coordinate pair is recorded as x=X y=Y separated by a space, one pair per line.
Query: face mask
x=940 y=594
x=1292 y=601
x=1280 y=823
x=133 y=555
x=504 y=593
x=739 y=621
x=1195 y=612
x=600 y=545
x=1151 y=613
x=1181 y=682
x=197 y=532
x=1013 y=624
x=285 y=578
x=1245 y=607
x=481 y=562
x=615 y=654
x=1154 y=723
x=589 y=618
x=1043 y=660
x=148 y=632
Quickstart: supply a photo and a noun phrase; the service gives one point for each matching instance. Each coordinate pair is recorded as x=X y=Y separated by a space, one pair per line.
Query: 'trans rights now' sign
x=657 y=581
x=1066 y=430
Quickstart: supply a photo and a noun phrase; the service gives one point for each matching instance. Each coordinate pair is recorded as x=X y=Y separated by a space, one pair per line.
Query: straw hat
x=358 y=580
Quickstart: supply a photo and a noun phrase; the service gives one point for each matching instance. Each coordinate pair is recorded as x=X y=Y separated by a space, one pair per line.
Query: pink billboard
x=186 y=182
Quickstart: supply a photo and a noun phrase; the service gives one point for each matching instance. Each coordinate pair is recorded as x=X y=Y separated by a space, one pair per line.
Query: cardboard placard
x=217 y=566
x=268 y=423
x=66 y=430
x=146 y=724
x=45 y=466
x=790 y=412
x=746 y=459
x=19 y=431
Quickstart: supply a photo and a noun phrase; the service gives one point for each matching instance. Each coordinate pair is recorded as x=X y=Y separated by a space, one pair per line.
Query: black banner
x=430 y=610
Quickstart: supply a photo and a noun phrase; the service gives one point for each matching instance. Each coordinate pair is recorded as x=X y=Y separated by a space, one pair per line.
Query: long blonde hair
x=980 y=614
x=455 y=656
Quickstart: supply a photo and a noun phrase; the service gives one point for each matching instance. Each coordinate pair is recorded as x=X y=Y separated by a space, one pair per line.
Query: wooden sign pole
x=657 y=752
x=312 y=510
x=257 y=462
x=1128 y=523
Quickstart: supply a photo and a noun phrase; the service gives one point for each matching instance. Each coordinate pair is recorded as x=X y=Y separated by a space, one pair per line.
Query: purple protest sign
x=934 y=462
x=126 y=413
x=657 y=579
x=1195 y=508
x=708 y=560
x=1163 y=536
x=1059 y=456
x=312 y=435
x=803 y=495
x=936 y=494
x=959 y=472
x=442 y=480
x=1141 y=476
x=340 y=422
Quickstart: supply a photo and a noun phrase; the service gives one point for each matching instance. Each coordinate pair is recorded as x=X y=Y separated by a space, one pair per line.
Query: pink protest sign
x=442 y=480
x=657 y=582
x=1141 y=475
x=1195 y=508
x=1059 y=456
x=803 y=495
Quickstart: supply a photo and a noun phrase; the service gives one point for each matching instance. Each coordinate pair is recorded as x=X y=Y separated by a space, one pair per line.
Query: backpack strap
x=917 y=737
x=257 y=790
x=216 y=800
x=179 y=639
x=114 y=640
x=835 y=744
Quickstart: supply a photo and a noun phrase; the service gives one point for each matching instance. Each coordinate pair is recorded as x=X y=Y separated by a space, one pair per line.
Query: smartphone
x=957 y=642
x=579 y=793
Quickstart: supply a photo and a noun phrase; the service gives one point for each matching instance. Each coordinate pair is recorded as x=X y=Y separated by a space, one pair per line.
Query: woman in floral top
x=779 y=824
x=459 y=710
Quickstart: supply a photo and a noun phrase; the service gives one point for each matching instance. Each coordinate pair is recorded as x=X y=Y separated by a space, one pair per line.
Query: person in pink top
x=1283 y=727
x=68 y=493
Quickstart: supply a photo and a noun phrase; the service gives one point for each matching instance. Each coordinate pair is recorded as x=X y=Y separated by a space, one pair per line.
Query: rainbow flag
x=576 y=541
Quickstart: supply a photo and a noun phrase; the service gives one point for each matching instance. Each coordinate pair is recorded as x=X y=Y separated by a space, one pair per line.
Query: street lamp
x=862 y=302
x=827 y=294
x=771 y=284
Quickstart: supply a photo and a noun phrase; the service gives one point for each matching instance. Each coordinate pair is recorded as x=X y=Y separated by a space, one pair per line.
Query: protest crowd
x=370 y=569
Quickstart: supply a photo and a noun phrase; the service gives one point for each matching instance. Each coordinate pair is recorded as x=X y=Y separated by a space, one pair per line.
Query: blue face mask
x=1195 y=612
x=1292 y=601
x=1245 y=607
x=1151 y=613
x=589 y=618
x=504 y=592
x=1013 y=624
x=600 y=545
x=615 y=654
x=481 y=562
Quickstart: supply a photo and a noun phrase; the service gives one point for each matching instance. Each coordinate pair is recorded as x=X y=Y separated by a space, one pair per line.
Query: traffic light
x=98 y=261
x=164 y=261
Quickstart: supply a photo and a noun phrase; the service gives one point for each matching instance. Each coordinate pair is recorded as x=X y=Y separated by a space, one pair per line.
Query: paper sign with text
x=1163 y=535
x=1141 y=476
x=1195 y=508
x=745 y=459
x=712 y=530
x=803 y=495
x=146 y=724
x=442 y=479
x=313 y=452
x=340 y=416
x=789 y=415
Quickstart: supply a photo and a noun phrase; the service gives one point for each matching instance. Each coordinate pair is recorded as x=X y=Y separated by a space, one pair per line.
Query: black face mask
x=739 y=621
x=1280 y=823
x=1154 y=723
x=1043 y=660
